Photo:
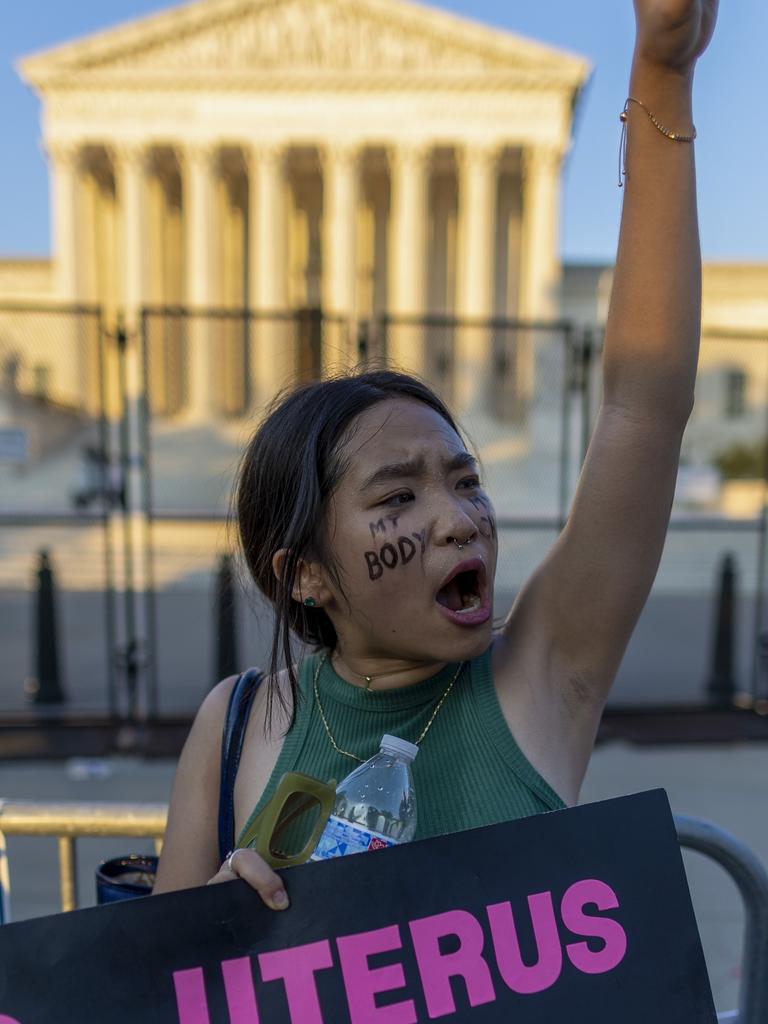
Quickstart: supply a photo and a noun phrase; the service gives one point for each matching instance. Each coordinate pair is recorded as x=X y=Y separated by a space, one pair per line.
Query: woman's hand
x=254 y=870
x=672 y=34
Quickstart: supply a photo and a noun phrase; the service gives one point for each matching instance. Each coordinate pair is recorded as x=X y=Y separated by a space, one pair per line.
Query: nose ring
x=468 y=540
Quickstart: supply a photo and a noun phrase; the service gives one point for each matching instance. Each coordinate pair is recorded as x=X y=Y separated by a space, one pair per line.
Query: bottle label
x=342 y=837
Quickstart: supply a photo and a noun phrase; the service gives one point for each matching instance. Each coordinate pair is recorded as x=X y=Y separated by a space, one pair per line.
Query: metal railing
x=69 y=822
x=751 y=878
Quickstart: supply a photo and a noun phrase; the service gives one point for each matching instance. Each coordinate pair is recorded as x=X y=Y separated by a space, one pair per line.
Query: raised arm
x=654 y=317
x=576 y=614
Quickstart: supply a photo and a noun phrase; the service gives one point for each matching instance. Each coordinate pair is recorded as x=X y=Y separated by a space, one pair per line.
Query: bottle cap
x=397 y=746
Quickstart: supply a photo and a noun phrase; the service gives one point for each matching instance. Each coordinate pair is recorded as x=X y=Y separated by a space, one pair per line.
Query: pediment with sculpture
x=319 y=36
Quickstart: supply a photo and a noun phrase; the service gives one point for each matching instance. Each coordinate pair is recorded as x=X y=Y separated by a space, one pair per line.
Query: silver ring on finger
x=231 y=859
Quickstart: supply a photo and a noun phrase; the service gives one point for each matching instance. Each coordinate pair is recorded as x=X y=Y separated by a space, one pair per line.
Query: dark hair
x=289 y=470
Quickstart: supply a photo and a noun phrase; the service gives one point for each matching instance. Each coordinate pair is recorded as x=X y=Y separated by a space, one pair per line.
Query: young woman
x=363 y=519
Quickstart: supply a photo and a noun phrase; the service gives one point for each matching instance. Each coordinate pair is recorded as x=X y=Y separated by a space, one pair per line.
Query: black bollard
x=46 y=688
x=226 y=621
x=721 y=687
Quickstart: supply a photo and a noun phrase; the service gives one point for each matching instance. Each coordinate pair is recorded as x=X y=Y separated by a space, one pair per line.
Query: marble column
x=129 y=162
x=539 y=288
x=266 y=241
x=130 y=168
x=73 y=379
x=408 y=252
x=340 y=197
x=540 y=263
x=64 y=158
x=271 y=337
x=198 y=199
x=477 y=204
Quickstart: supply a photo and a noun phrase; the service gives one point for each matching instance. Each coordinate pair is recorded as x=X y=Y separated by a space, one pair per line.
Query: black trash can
x=125 y=878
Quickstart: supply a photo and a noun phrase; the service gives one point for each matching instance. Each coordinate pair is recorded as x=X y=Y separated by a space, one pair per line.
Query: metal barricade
x=69 y=822
x=751 y=877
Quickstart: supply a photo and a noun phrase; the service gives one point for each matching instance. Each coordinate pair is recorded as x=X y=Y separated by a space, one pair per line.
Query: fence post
x=382 y=337
x=45 y=686
x=571 y=347
x=721 y=686
x=362 y=342
x=226 y=621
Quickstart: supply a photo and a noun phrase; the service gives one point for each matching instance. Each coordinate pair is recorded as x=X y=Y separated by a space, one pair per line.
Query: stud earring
x=309 y=602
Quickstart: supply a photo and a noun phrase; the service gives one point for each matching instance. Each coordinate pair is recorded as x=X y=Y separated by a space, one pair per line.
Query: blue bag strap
x=238 y=710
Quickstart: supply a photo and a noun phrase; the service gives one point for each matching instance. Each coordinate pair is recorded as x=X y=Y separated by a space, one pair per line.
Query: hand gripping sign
x=580 y=915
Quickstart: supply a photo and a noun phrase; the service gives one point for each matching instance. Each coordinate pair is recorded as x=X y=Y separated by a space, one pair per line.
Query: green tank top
x=469 y=770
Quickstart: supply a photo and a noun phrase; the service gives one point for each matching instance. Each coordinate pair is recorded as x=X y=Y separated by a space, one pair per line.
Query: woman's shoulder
x=212 y=713
x=213 y=710
x=273 y=701
x=271 y=711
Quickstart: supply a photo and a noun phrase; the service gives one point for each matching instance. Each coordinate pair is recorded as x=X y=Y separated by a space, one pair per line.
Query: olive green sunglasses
x=299 y=809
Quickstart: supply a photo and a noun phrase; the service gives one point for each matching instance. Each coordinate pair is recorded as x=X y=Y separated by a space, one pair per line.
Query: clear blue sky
x=731 y=90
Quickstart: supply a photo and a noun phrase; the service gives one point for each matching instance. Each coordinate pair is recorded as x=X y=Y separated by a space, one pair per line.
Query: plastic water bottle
x=375 y=805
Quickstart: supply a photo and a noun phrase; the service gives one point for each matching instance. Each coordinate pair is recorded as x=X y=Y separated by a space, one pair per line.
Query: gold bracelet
x=623 y=117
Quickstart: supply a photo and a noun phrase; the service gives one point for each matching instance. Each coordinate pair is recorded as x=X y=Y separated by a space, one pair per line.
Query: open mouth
x=464 y=590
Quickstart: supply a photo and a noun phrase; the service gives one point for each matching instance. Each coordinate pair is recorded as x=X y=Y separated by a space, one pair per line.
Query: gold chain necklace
x=361 y=760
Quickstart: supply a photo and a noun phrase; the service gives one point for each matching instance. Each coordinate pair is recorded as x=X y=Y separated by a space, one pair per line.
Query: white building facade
x=356 y=157
x=350 y=159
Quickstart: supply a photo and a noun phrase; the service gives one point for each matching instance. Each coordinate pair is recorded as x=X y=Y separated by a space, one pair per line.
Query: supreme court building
x=344 y=159
x=353 y=156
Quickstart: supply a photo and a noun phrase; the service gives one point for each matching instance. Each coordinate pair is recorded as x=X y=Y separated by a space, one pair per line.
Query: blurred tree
x=743 y=461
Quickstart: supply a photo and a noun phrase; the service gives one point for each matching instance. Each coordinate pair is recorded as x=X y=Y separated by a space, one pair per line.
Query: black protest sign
x=580 y=915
